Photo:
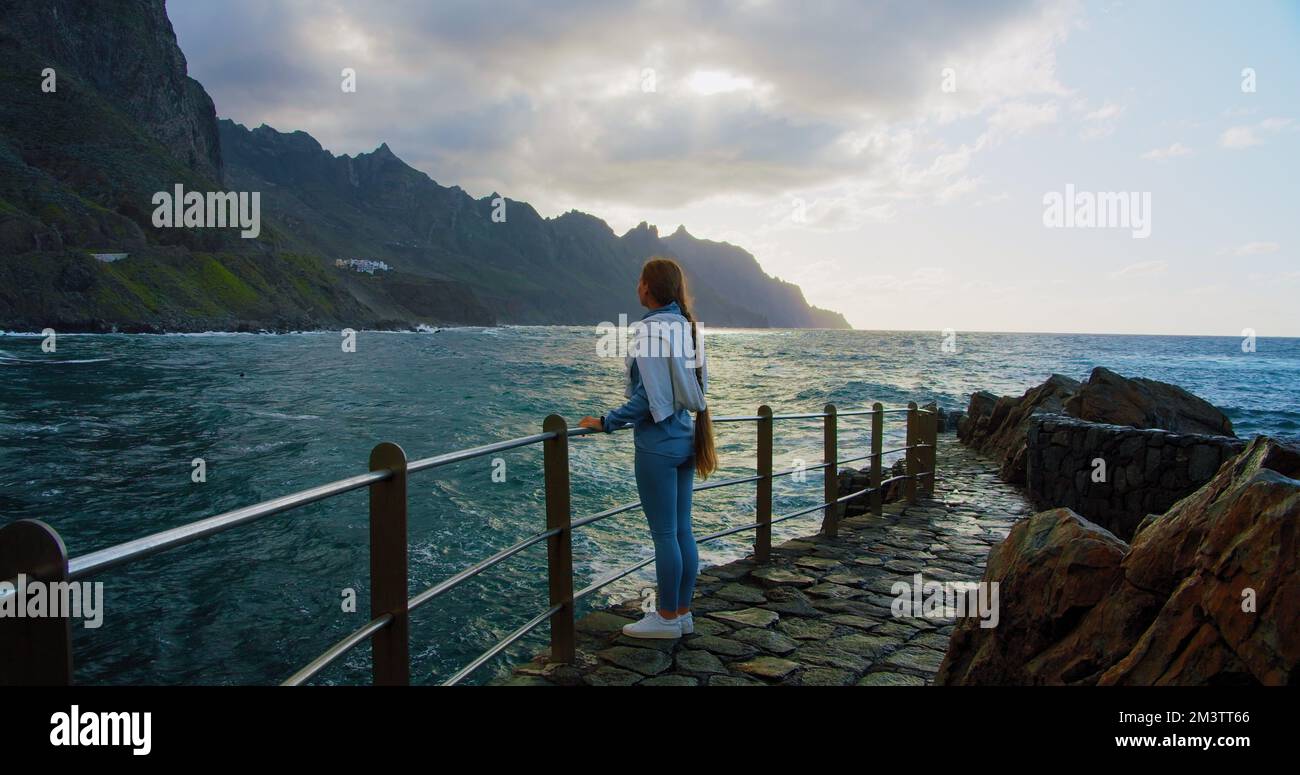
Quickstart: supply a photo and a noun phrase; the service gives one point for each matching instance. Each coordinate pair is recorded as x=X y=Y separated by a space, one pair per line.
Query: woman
x=666 y=379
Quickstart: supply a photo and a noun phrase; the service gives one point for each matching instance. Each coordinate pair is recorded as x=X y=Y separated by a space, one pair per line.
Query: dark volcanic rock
x=1051 y=568
x=1206 y=595
x=981 y=406
x=998 y=428
x=1108 y=397
x=1054 y=439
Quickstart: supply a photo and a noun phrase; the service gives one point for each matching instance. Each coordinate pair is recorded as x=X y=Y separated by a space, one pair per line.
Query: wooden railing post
x=877 y=447
x=910 y=457
x=923 y=454
x=35 y=651
x=391 y=646
x=934 y=450
x=763 y=501
x=559 y=547
x=831 y=480
x=931 y=437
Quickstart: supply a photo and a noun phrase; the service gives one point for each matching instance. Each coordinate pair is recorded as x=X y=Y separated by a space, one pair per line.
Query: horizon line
x=440 y=326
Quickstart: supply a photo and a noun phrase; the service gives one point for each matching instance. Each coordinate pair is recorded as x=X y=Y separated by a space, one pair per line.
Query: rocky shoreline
x=1112 y=448
x=243 y=327
x=1201 y=589
x=1167 y=552
x=1205 y=595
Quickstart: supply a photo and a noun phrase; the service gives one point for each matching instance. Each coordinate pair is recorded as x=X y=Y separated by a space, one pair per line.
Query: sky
x=904 y=163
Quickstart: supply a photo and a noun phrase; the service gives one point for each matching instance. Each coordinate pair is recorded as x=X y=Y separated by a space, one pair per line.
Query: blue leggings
x=664 y=483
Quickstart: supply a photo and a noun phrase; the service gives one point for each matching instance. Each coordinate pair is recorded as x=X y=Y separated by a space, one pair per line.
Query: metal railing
x=39 y=650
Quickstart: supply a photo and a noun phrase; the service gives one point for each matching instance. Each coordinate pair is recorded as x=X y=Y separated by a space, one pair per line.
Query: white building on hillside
x=362 y=265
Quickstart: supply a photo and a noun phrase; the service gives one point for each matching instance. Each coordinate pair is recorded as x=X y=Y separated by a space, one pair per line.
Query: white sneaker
x=688 y=623
x=652 y=625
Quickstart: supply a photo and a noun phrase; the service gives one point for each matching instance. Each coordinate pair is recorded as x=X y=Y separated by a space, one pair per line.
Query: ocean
x=100 y=436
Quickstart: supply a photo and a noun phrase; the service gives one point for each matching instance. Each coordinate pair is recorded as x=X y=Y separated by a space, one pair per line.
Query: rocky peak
x=644 y=230
x=269 y=138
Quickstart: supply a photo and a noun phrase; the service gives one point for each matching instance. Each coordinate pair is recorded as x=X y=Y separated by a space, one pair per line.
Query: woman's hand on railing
x=591 y=422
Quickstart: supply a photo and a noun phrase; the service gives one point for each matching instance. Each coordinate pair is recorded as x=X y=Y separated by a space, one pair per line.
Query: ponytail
x=706 y=455
x=667 y=283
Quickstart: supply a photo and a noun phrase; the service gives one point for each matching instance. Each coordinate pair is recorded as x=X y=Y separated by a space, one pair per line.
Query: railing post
x=931 y=436
x=763 y=502
x=934 y=450
x=35 y=651
x=559 y=547
x=877 y=463
x=391 y=646
x=831 y=480
x=912 y=461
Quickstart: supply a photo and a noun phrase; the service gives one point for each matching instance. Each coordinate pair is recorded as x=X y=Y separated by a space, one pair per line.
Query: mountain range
x=100 y=116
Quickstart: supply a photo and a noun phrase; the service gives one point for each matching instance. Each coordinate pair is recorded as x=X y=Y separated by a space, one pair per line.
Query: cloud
x=644 y=103
x=1101 y=122
x=1141 y=269
x=1105 y=113
x=1274 y=278
x=1020 y=117
x=1238 y=137
x=1161 y=154
x=992 y=200
x=842 y=213
x=1256 y=249
x=925 y=279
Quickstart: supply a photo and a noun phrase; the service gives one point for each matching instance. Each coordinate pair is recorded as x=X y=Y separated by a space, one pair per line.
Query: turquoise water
x=98 y=440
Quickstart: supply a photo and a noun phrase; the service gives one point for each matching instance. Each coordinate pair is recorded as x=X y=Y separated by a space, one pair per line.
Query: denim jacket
x=662 y=388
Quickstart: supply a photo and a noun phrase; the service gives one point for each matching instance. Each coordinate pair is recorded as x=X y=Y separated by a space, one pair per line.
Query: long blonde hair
x=666 y=282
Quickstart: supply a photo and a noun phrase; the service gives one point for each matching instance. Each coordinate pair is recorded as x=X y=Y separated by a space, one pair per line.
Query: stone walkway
x=819 y=612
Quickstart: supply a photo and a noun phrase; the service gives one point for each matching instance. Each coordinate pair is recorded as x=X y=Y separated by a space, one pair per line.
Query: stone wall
x=1146 y=470
x=997 y=426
